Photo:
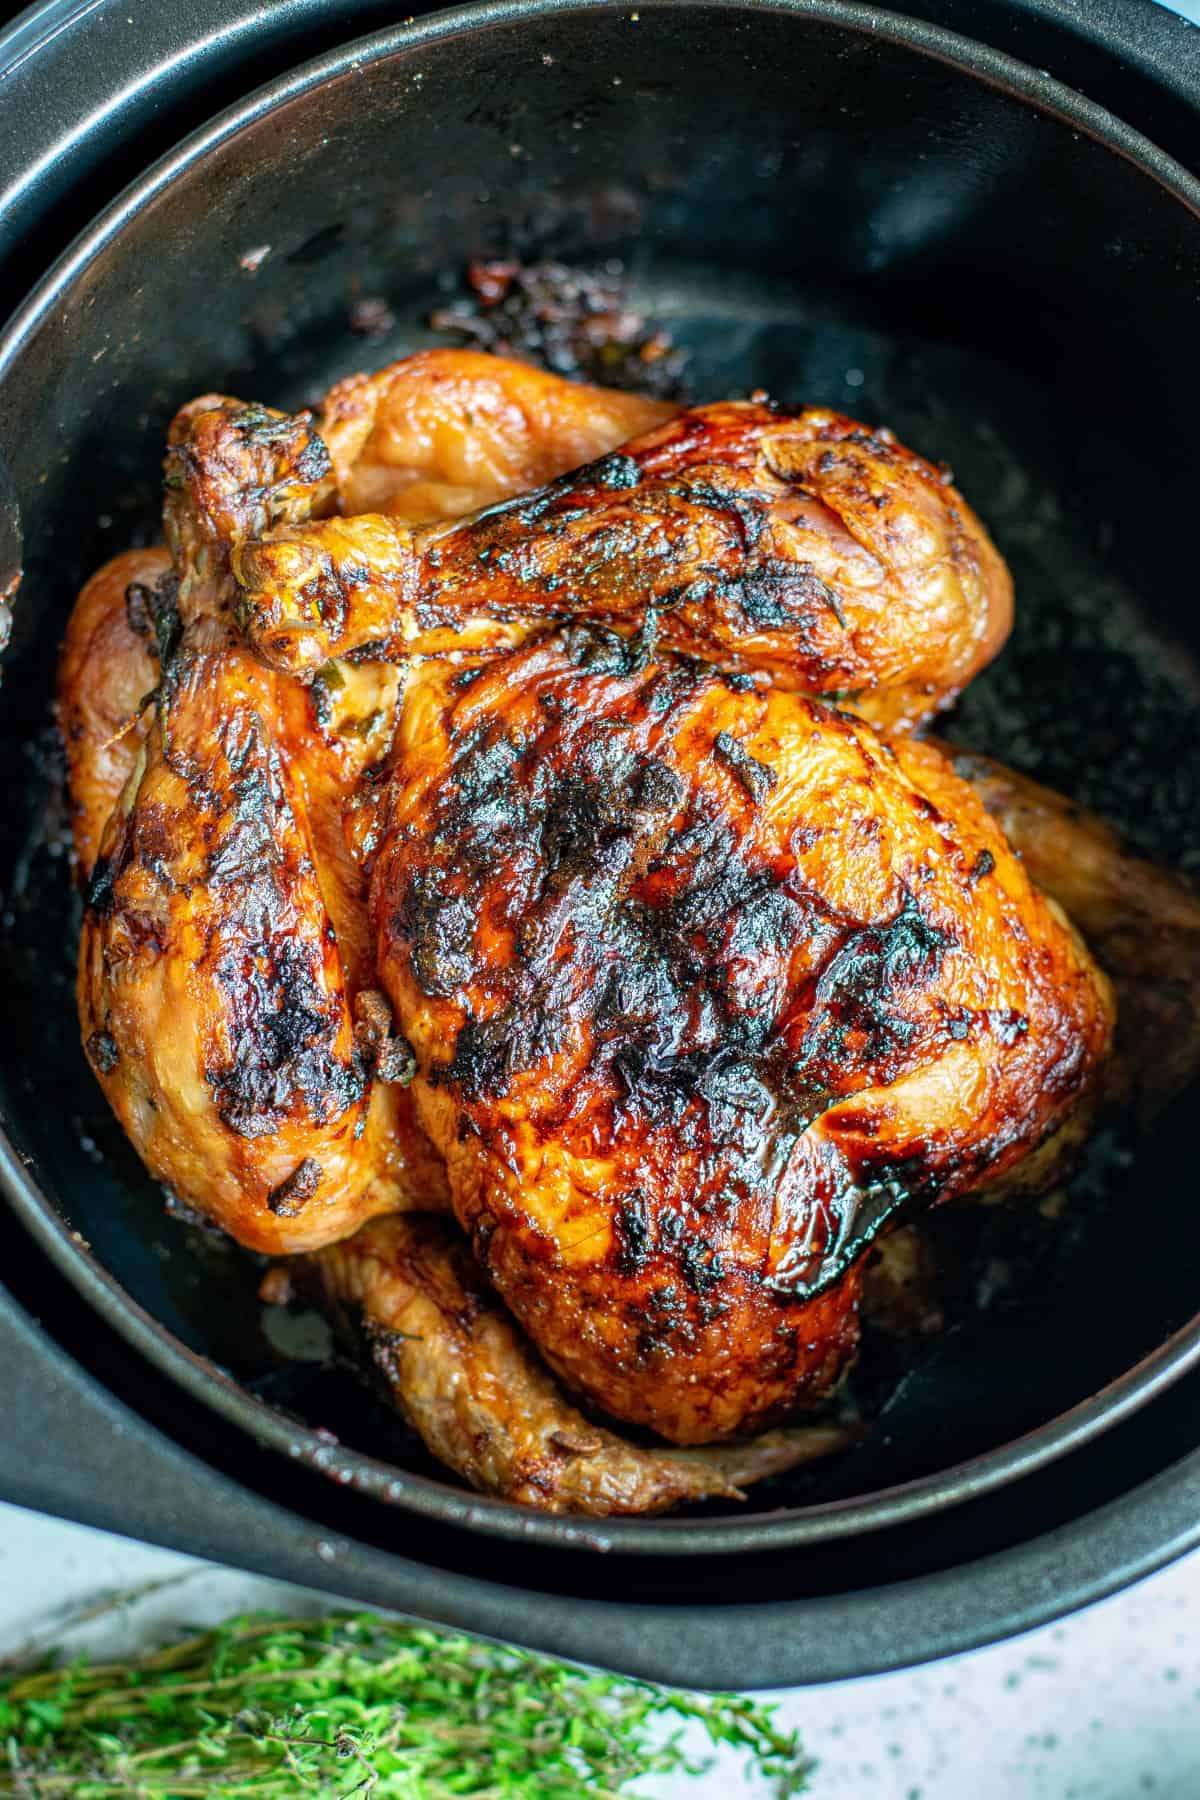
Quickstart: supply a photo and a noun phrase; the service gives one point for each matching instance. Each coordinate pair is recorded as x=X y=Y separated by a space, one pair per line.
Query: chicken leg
x=800 y=544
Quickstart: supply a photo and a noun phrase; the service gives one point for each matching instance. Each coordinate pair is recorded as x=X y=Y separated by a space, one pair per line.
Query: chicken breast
x=705 y=982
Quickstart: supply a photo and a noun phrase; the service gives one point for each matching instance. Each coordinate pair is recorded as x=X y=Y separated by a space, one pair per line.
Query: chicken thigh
x=216 y=1007
x=225 y=984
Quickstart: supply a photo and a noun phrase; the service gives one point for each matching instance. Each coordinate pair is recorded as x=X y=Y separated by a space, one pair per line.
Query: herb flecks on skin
x=268 y=1708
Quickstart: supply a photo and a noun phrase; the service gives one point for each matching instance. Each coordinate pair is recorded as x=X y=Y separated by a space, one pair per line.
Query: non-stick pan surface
x=832 y=204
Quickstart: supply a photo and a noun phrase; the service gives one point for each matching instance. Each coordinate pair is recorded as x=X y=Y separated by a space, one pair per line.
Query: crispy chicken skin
x=213 y=996
x=444 y=432
x=1142 y=923
x=704 y=981
x=465 y=1377
x=799 y=544
x=105 y=672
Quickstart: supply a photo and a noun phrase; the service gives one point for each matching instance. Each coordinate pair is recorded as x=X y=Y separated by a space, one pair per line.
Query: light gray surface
x=1103 y=1707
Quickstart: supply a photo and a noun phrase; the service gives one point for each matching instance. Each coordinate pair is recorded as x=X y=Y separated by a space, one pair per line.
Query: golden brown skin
x=705 y=981
x=105 y=672
x=466 y=1379
x=444 y=432
x=1142 y=923
x=213 y=997
x=801 y=545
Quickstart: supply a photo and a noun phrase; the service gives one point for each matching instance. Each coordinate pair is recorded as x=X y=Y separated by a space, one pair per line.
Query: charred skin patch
x=854 y=1017
x=283 y=1027
x=98 y=895
x=103 y=1051
x=289 y=1199
x=282 y=1021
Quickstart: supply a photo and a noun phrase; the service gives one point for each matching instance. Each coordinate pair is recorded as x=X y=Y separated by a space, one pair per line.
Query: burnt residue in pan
x=580 y=323
x=1013 y=1314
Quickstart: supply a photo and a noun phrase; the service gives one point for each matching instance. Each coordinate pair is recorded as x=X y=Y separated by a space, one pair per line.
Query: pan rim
x=205 y=1380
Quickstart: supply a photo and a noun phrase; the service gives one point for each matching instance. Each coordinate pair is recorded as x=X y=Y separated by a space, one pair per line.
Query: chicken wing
x=234 y=471
x=798 y=544
x=704 y=985
x=231 y=470
x=464 y=1376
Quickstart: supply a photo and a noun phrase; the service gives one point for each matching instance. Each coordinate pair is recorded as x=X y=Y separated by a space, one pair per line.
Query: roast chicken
x=520 y=868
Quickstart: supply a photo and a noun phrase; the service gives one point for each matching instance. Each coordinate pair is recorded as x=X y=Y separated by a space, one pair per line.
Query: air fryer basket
x=840 y=207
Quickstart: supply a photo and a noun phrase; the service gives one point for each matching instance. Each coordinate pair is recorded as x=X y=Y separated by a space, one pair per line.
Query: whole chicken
x=704 y=984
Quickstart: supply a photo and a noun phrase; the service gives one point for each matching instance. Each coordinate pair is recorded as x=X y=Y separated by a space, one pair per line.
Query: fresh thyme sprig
x=270 y=1708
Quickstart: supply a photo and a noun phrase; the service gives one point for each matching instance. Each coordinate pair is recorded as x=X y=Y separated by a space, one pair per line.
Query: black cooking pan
x=844 y=207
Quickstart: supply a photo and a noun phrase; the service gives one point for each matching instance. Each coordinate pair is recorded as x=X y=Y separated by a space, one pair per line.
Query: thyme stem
x=270 y=1708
